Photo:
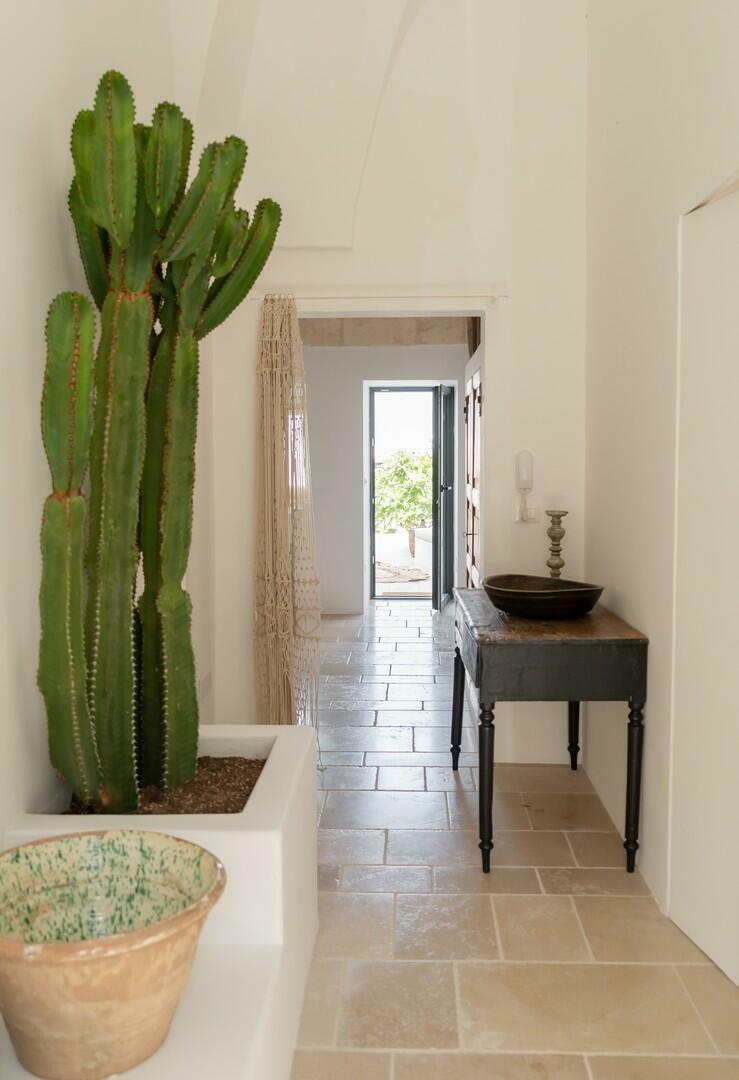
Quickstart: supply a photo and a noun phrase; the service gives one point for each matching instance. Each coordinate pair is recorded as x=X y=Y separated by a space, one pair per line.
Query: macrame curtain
x=288 y=612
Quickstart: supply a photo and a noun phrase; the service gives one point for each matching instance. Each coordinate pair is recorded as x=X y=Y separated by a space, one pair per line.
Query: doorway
x=412 y=439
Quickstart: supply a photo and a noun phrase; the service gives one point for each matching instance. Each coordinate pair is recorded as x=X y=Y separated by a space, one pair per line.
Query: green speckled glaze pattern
x=91 y=886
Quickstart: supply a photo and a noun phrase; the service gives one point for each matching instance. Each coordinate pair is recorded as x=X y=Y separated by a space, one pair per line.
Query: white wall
x=663 y=108
x=51 y=57
x=470 y=180
x=705 y=795
x=335 y=378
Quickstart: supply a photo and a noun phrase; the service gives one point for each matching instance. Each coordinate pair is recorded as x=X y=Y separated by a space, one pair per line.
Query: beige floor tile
x=321 y=1003
x=577 y=1008
x=435 y=740
x=489 y=1067
x=347 y=778
x=570 y=811
x=393 y=879
x=345 y=718
x=509 y=811
x=410 y=778
x=366 y=738
x=717 y=1000
x=446 y=779
x=598 y=849
x=541 y=778
x=351 y=846
x=385 y=810
x=328 y=878
x=470 y=879
x=429 y=718
x=577 y=882
x=444 y=928
x=342 y=757
x=434 y=848
x=339 y=1065
x=398 y=1005
x=465 y=759
x=539 y=928
x=663 y=1068
x=632 y=928
x=351 y=925
x=529 y=849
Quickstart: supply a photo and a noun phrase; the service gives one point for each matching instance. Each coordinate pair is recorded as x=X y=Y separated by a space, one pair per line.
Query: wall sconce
x=524 y=484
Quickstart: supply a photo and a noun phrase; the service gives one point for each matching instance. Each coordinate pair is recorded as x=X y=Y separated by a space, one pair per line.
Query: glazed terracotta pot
x=98 y=932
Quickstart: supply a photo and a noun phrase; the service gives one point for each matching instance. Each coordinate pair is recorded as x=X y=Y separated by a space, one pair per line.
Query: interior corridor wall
x=471 y=181
x=51 y=57
x=663 y=113
x=335 y=380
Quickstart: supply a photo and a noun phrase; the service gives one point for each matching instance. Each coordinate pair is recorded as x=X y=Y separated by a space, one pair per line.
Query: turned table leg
x=633 y=781
x=487 y=752
x=457 y=708
x=574 y=730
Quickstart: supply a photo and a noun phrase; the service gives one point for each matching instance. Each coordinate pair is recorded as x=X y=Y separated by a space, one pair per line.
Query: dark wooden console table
x=594 y=658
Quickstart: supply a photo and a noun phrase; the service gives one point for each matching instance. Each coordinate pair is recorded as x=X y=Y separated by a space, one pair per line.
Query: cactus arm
x=226 y=293
x=83 y=138
x=91 y=243
x=187 y=137
x=196 y=216
x=62 y=675
x=164 y=160
x=133 y=267
x=121 y=375
x=173 y=604
x=66 y=405
x=114 y=156
x=66 y=420
x=235 y=150
x=152 y=702
x=230 y=240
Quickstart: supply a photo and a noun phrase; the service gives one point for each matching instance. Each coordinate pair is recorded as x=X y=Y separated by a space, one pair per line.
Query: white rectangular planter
x=267 y=915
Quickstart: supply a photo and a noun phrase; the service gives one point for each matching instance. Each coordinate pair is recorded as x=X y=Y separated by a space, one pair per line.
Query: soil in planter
x=222 y=786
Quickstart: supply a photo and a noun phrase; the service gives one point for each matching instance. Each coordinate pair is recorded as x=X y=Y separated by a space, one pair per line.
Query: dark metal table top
x=490 y=626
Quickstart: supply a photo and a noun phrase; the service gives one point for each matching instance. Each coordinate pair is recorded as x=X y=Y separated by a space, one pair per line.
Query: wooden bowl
x=541 y=597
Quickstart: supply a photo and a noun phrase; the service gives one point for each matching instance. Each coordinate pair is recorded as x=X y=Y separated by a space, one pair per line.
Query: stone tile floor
x=558 y=965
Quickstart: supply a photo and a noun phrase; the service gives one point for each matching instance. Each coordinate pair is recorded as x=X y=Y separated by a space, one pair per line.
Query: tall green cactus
x=166 y=263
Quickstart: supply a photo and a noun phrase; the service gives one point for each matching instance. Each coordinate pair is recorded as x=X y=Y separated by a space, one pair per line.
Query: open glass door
x=444 y=496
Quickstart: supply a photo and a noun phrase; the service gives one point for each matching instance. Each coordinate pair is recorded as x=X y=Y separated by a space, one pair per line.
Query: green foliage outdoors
x=403 y=492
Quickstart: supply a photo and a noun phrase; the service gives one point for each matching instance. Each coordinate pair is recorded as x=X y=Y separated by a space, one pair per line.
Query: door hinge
x=479 y=402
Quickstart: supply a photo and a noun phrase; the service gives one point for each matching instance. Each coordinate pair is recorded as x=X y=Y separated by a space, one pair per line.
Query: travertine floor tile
x=341 y=757
x=385 y=810
x=340 y=1065
x=530 y=849
x=632 y=928
x=351 y=846
x=660 y=1068
x=398 y=778
x=717 y=1000
x=365 y=738
x=428 y=718
x=432 y=848
x=435 y=740
x=489 y=1067
x=425 y=691
x=393 y=879
x=344 y=718
x=328 y=878
x=577 y=882
x=502 y=879
x=389 y=758
x=399 y=1005
x=347 y=777
x=567 y=810
x=577 y=1008
x=444 y=928
x=439 y=778
x=509 y=811
x=321 y=1003
x=351 y=925
x=598 y=849
x=540 y=778
x=539 y=928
